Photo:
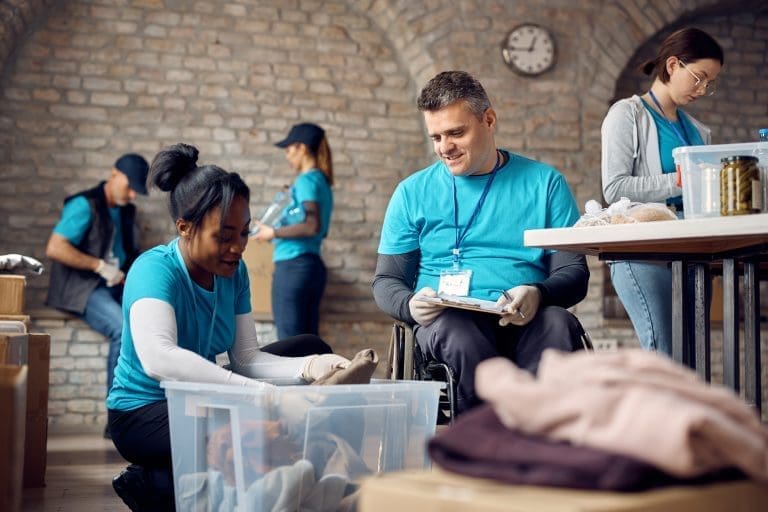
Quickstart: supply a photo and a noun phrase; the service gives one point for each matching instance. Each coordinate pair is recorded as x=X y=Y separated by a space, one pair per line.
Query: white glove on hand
x=111 y=274
x=523 y=306
x=318 y=365
x=424 y=313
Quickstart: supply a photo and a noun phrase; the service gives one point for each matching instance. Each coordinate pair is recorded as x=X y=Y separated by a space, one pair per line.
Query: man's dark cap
x=136 y=168
x=307 y=133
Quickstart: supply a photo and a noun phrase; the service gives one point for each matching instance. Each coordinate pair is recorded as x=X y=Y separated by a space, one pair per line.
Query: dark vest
x=69 y=287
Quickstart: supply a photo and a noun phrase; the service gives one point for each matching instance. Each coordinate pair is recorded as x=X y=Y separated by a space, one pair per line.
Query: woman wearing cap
x=299 y=279
x=638 y=136
x=184 y=303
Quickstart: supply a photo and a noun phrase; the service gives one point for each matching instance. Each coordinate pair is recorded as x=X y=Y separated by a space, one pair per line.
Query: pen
x=509 y=298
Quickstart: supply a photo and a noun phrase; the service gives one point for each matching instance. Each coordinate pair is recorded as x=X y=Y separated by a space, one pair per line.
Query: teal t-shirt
x=669 y=139
x=76 y=220
x=205 y=320
x=525 y=194
x=310 y=186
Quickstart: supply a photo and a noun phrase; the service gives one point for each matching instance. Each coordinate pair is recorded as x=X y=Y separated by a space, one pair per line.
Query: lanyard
x=460 y=237
x=683 y=137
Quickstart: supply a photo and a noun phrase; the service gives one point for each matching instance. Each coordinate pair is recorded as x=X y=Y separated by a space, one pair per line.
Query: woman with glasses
x=638 y=136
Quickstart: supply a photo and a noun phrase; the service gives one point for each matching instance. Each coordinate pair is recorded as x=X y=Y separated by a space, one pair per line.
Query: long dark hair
x=194 y=191
x=687 y=44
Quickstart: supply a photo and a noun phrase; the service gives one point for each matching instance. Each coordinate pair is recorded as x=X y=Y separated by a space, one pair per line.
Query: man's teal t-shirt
x=310 y=186
x=205 y=320
x=525 y=194
x=76 y=220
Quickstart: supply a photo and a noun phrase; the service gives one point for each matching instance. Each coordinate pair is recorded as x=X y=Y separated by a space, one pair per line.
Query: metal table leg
x=701 y=326
x=679 y=332
x=752 y=335
x=730 y=325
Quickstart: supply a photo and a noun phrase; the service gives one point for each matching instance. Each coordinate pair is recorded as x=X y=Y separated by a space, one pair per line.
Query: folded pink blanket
x=630 y=402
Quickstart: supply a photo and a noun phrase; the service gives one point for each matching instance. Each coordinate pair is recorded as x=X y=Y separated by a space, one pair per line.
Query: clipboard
x=470 y=303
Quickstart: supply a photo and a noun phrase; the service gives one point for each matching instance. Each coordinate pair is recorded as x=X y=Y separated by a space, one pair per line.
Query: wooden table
x=734 y=241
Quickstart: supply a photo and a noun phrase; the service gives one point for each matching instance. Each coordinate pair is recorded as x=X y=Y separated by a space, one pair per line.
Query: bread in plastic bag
x=623 y=211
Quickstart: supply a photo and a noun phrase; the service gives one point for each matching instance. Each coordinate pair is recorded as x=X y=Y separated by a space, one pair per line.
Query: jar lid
x=738 y=158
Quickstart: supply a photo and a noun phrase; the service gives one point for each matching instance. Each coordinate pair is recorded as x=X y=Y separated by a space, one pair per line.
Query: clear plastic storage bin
x=294 y=447
x=700 y=173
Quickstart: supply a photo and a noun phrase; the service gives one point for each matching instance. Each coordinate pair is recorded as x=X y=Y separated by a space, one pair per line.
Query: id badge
x=455 y=282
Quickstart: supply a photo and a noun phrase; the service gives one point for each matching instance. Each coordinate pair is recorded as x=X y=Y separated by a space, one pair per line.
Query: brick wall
x=85 y=81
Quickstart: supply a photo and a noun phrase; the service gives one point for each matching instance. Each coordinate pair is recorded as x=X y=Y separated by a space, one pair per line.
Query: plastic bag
x=623 y=211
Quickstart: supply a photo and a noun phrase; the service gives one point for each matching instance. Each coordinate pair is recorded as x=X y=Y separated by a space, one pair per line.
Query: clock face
x=529 y=49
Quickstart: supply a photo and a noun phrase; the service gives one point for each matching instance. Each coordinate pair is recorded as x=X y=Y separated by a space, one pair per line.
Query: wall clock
x=529 y=49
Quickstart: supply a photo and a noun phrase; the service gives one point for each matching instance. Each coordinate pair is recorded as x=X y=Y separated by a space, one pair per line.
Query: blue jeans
x=645 y=290
x=104 y=313
x=297 y=287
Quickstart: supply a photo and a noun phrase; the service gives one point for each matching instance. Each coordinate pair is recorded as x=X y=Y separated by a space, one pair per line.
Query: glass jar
x=740 y=190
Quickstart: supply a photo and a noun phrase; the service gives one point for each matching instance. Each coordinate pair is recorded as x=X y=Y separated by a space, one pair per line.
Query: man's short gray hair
x=448 y=87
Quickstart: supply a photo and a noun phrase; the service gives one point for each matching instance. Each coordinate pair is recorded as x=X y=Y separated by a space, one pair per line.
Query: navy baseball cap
x=136 y=168
x=307 y=133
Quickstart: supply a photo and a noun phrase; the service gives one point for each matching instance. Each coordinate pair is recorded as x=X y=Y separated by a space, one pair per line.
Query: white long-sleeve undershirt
x=155 y=339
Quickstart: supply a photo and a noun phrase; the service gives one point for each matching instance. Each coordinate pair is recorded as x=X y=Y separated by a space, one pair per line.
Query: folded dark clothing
x=478 y=445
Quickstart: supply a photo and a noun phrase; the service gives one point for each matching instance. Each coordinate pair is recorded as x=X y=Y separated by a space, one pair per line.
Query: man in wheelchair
x=457 y=227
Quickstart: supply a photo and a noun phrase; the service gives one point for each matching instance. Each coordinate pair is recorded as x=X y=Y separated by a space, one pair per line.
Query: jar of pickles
x=740 y=190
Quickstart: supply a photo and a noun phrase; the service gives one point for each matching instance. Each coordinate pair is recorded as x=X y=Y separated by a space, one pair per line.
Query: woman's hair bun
x=172 y=164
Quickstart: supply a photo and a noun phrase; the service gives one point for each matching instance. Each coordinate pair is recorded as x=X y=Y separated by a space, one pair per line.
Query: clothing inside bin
x=321 y=482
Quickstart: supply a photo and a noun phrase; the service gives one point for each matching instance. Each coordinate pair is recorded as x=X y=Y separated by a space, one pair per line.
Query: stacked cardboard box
x=32 y=351
x=12 y=294
x=13 y=402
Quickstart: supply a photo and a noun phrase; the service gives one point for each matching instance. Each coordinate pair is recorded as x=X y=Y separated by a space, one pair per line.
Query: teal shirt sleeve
x=75 y=220
x=399 y=234
x=306 y=189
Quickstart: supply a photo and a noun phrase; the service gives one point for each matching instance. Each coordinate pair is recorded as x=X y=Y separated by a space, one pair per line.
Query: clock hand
x=533 y=43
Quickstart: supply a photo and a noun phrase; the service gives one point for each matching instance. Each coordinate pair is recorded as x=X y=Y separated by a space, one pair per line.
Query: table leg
x=752 y=335
x=679 y=334
x=730 y=325
x=701 y=321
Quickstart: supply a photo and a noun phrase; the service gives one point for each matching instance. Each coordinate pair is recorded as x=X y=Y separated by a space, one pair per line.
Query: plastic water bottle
x=762 y=154
x=273 y=213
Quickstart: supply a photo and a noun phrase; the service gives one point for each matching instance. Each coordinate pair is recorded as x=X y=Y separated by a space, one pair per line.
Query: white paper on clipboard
x=472 y=304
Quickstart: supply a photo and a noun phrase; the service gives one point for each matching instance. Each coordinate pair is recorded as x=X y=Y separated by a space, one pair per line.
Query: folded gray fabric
x=18 y=264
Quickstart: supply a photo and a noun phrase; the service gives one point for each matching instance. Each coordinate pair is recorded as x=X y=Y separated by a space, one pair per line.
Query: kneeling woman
x=184 y=303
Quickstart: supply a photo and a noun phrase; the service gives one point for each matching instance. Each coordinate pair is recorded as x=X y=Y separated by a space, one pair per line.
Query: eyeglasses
x=709 y=85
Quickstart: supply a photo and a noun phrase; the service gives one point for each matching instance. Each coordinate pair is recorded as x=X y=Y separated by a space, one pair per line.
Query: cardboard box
x=12 y=294
x=258 y=259
x=35 y=445
x=14 y=348
x=433 y=491
x=13 y=403
x=716 y=307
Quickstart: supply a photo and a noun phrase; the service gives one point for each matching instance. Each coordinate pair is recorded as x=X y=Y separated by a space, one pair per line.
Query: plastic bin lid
x=740 y=147
x=376 y=384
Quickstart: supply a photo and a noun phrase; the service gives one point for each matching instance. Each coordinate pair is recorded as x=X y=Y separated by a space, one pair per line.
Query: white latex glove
x=318 y=365
x=424 y=313
x=111 y=274
x=523 y=306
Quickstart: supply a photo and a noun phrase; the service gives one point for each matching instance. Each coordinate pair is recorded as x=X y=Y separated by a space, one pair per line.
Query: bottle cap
x=738 y=158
